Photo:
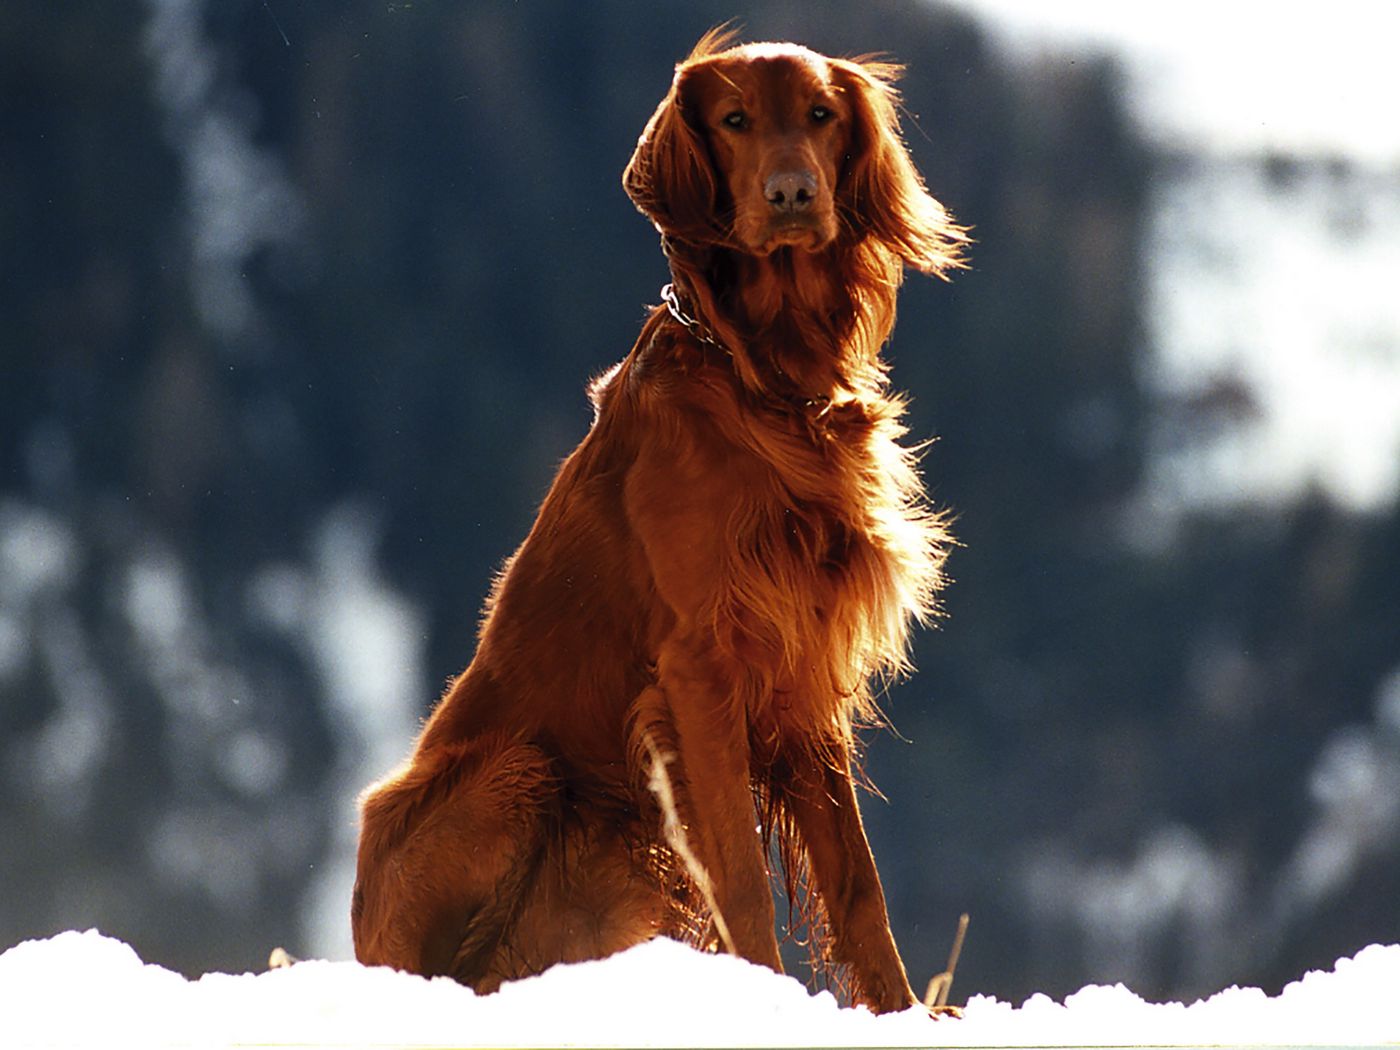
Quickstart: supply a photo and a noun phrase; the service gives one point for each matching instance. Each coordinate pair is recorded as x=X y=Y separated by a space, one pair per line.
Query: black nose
x=791 y=191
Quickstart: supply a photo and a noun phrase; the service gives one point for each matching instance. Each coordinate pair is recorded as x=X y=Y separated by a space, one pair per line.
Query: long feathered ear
x=881 y=191
x=671 y=178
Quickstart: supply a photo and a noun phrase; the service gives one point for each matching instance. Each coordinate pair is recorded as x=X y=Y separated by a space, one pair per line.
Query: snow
x=85 y=989
x=1234 y=75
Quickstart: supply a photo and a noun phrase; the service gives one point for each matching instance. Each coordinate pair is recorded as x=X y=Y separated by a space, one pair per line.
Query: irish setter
x=731 y=555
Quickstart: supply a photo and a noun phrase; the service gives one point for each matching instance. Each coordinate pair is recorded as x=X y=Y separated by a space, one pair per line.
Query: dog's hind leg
x=594 y=894
x=448 y=846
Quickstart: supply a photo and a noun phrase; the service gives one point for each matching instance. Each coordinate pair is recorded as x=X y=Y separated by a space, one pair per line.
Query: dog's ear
x=880 y=192
x=671 y=176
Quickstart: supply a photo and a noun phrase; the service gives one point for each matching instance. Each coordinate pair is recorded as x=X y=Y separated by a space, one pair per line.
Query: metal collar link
x=690 y=324
x=821 y=405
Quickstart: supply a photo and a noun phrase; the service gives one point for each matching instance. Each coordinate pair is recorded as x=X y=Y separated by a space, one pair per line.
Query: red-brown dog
x=733 y=552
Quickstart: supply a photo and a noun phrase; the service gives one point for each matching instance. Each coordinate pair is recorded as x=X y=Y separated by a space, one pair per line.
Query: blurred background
x=299 y=299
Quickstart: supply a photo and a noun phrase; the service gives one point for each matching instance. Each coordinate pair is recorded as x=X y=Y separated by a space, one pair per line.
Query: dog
x=672 y=668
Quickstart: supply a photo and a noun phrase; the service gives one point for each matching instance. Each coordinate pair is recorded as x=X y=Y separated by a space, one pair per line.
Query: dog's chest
x=787 y=526
x=803 y=533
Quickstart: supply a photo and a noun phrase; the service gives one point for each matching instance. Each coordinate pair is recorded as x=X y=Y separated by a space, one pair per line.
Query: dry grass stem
x=671 y=826
x=936 y=998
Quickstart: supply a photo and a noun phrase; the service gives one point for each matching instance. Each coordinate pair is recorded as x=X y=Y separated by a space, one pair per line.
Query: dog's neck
x=791 y=320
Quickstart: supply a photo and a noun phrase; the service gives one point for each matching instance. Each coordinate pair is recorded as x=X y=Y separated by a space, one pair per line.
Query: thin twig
x=936 y=998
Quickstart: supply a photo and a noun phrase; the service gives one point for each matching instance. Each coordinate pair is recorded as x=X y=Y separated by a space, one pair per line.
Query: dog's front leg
x=716 y=802
x=823 y=804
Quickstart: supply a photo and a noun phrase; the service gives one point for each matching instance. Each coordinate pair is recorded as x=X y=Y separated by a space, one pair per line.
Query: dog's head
x=763 y=146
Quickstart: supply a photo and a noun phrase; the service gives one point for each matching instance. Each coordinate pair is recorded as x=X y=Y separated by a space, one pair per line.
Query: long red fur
x=720 y=571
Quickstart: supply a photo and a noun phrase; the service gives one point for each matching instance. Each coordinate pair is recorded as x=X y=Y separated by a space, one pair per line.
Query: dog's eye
x=736 y=119
x=820 y=114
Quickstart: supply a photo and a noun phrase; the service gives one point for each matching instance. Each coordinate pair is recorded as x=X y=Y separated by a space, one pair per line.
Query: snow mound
x=86 y=989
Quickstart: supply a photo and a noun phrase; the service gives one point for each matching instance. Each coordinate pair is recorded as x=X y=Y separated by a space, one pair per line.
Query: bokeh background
x=297 y=303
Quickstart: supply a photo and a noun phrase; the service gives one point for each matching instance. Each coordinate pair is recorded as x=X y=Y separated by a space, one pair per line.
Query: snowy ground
x=83 y=989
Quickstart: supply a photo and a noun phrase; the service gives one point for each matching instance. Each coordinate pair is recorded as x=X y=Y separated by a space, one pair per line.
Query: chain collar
x=815 y=408
x=690 y=324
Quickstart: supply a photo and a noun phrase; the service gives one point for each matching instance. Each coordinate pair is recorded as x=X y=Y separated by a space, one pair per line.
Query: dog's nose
x=791 y=191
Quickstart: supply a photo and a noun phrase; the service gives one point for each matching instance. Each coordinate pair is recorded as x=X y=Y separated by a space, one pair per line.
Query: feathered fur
x=721 y=570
